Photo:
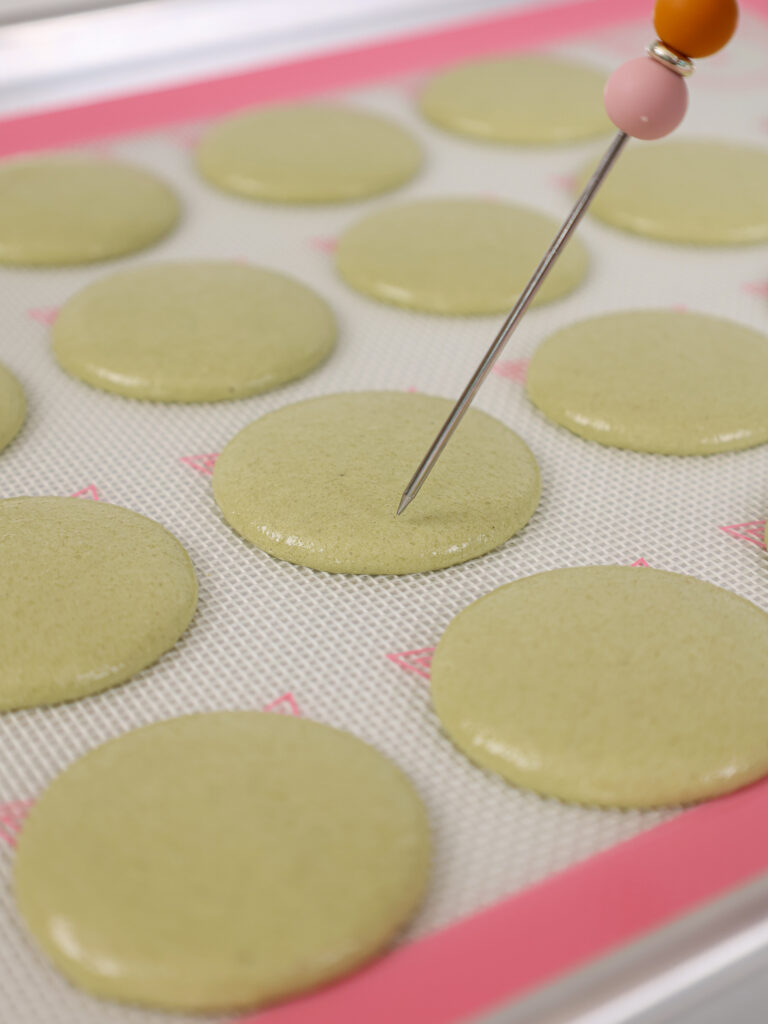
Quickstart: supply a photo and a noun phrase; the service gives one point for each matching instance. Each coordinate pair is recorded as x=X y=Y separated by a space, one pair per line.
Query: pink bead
x=645 y=99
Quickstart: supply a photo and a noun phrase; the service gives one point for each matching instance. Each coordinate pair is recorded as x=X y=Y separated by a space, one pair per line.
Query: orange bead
x=696 y=28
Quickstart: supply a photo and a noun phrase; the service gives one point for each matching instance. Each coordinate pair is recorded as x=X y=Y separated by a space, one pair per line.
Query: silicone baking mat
x=523 y=888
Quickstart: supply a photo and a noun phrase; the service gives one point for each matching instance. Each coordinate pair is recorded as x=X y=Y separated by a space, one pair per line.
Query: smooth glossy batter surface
x=193 y=332
x=656 y=381
x=61 y=210
x=455 y=256
x=528 y=99
x=318 y=483
x=609 y=685
x=91 y=594
x=13 y=407
x=308 y=154
x=696 y=191
x=221 y=861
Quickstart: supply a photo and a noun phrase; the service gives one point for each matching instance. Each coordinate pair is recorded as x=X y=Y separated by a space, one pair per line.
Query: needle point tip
x=404 y=503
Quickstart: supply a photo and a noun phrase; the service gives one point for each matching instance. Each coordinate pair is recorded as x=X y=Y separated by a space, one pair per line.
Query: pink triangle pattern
x=418 y=660
x=642 y=562
x=754 y=532
x=512 y=369
x=201 y=463
x=91 y=492
x=327 y=245
x=12 y=817
x=187 y=136
x=566 y=182
x=756 y=287
x=102 y=150
x=413 y=87
x=44 y=314
x=285 y=705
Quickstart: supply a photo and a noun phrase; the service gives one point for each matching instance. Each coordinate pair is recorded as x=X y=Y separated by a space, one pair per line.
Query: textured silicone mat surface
x=336 y=649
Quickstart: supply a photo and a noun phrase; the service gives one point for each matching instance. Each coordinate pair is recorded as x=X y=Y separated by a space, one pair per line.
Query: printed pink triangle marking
x=101 y=149
x=285 y=705
x=44 y=314
x=641 y=561
x=567 y=182
x=414 y=88
x=418 y=660
x=12 y=816
x=756 y=287
x=187 y=136
x=201 y=463
x=91 y=491
x=512 y=369
x=754 y=532
x=324 y=244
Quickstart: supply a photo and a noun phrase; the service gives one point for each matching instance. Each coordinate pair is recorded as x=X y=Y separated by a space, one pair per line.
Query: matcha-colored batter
x=656 y=381
x=609 y=685
x=318 y=483
x=91 y=594
x=692 y=191
x=307 y=154
x=455 y=256
x=13 y=407
x=193 y=332
x=221 y=861
x=527 y=99
x=61 y=210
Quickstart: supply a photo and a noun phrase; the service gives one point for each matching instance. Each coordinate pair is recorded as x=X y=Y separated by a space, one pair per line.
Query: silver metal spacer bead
x=670 y=58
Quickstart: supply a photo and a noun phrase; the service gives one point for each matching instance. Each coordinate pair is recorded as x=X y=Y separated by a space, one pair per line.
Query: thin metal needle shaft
x=569 y=226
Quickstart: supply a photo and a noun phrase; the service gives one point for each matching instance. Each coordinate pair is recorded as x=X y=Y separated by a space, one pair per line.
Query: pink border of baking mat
x=598 y=904
x=141 y=112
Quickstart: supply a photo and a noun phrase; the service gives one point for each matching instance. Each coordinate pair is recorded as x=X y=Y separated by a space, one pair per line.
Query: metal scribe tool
x=646 y=98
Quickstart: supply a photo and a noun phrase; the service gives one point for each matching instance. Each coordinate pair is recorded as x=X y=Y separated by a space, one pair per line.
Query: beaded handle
x=647 y=97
